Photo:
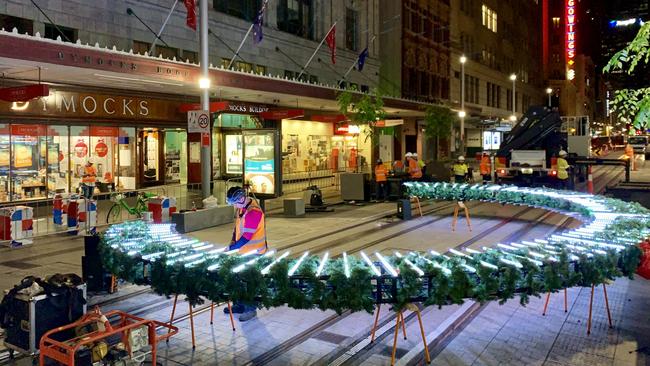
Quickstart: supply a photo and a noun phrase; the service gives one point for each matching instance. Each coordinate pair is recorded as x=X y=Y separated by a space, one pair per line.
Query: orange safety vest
x=414 y=169
x=380 y=173
x=486 y=165
x=257 y=242
x=90 y=174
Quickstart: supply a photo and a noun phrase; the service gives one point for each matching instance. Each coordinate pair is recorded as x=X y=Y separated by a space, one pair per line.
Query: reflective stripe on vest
x=257 y=243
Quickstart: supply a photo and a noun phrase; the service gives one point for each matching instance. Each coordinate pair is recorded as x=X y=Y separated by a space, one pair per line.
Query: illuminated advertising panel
x=570 y=39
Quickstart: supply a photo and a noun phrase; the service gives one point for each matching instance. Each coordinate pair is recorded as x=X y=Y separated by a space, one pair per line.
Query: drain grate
x=330 y=337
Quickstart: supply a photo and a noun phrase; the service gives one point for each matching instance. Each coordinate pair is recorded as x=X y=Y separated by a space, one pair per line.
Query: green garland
x=446 y=280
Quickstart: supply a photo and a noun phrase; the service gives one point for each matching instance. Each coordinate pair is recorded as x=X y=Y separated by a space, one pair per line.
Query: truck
x=527 y=154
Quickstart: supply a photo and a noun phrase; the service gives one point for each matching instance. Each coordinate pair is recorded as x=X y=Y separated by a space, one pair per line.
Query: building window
x=489 y=18
x=140 y=47
x=466 y=6
x=243 y=66
x=509 y=99
x=191 y=56
x=296 y=17
x=471 y=89
x=66 y=34
x=351 y=29
x=556 y=22
x=166 y=52
x=290 y=74
x=225 y=62
x=244 y=9
x=260 y=69
x=22 y=25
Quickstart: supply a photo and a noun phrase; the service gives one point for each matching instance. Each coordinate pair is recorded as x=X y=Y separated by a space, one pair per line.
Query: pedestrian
x=486 y=168
x=413 y=167
x=460 y=170
x=249 y=236
x=381 y=177
x=88 y=180
x=562 y=167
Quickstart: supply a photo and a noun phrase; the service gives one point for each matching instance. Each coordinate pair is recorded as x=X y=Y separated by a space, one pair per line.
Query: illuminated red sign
x=570 y=38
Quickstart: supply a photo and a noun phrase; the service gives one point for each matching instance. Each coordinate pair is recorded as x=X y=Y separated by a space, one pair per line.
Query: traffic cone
x=590 y=180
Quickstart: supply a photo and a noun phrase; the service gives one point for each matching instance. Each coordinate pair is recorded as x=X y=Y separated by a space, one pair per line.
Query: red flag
x=191 y=13
x=331 y=42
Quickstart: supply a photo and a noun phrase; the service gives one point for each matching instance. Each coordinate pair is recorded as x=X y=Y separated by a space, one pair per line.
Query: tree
x=632 y=104
x=362 y=111
x=438 y=121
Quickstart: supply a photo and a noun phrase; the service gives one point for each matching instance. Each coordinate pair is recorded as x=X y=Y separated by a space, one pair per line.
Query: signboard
x=261 y=162
x=198 y=122
x=491 y=140
x=24 y=93
x=282 y=114
x=570 y=39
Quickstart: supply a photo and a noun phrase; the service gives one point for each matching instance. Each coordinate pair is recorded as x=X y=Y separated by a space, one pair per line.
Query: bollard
x=590 y=180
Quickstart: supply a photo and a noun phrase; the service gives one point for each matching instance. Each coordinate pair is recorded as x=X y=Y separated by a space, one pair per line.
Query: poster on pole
x=261 y=162
x=198 y=122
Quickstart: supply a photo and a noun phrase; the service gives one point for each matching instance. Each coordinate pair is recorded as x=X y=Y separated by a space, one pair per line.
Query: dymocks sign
x=71 y=104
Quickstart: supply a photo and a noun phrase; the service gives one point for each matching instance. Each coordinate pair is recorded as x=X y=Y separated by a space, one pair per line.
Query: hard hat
x=408 y=155
x=562 y=153
x=461 y=158
x=379 y=161
x=235 y=195
x=415 y=154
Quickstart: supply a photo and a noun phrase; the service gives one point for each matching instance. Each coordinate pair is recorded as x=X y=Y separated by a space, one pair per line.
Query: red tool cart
x=133 y=336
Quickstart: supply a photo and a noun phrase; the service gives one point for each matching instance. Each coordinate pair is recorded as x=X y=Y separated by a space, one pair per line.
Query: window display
x=259 y=162
x=175 y=152
x=5 y=155
x=151 y=158
x=57 y=160
x=306 y=146
x=28 y=161
x=233 y=154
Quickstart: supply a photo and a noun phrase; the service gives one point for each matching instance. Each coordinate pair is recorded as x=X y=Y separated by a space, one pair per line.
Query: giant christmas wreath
x=603 y=248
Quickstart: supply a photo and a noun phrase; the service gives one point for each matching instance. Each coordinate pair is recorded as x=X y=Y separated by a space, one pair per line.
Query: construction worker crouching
x=562 y=170
x=381 y=177
x=486 y=168
x=88 y=180
x=249 y=236
x=413 y=167
x=460 y=170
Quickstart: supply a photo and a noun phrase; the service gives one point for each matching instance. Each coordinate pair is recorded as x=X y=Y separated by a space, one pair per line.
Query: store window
x=5 y=156
x=175 y=154
x=351 y=29
x=233 y=153
x=58 y=160
x=244 y=9
x=126 y=159
x=306 y=146
x=150 y=143
x=28 y=153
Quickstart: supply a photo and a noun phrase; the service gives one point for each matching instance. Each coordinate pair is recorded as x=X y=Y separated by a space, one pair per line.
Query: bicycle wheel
x=114 y=214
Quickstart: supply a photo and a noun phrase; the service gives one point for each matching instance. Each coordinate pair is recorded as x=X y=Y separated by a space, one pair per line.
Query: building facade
x=111 y=103
x=498 y=39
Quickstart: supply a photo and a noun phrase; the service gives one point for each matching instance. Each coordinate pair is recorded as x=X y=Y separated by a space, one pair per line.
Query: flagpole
x=356 y=60
x=153 y=44
x=240 y=46
x=314 y=54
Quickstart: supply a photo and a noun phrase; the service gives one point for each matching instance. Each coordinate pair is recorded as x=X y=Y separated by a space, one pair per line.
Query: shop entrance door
x=150 y=157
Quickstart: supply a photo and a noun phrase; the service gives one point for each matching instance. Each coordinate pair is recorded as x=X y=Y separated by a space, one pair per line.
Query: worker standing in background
x=562 y=167
x=398 y=167
x=629 y=151
x=88 y=180
x=486 y=168
x=249 y=236
x=413 y=167
x=381 y=177
x=421 y=164
x=460 y=170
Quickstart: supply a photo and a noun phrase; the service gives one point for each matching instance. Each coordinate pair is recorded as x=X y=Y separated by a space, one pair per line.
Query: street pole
x=206 y=172
x=462 y=112
x=514 y=96
x=549 y=92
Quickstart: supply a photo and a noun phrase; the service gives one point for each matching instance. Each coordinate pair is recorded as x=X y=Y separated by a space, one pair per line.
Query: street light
x=513 y=77
x=549 y=92
x=461 y=114
x=204 y=83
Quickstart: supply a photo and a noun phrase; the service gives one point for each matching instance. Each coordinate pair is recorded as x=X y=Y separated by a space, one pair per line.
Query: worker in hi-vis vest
x=248 y=237
x=413 y=167
x=381 y=177
x=562 y=170
x=88 y=180
x=460 y=170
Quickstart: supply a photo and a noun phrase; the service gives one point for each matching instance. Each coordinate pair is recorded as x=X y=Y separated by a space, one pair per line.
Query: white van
x=639 y=144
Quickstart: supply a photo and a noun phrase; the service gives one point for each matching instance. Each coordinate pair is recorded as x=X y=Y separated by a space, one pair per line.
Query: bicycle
x=119 y=204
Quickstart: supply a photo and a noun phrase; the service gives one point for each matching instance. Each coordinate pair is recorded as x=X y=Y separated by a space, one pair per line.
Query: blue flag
x=362 y=58
x=259 y=22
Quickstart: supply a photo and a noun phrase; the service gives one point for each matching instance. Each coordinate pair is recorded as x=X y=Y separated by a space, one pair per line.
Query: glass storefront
x=227 y=143
x=311 y=146
x=38 y=161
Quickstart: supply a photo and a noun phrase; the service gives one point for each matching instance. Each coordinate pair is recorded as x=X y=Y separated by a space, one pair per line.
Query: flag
x=191 y=13
x=259 y=22
x=331 y=42
x=362 y=58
